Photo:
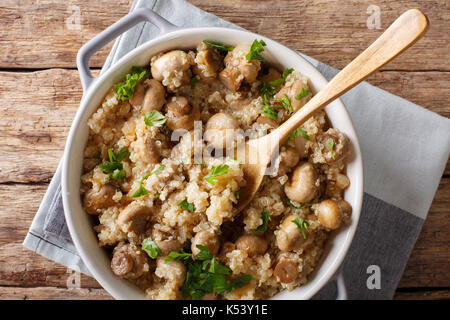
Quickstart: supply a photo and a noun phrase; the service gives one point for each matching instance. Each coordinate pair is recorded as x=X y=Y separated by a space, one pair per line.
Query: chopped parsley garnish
x=114 y=168
x=269 y=111
x=211 y=177
x=194 y=81
x=142 y=191
x=219 y=46
x=298 y=132
x=296 y=205
x=205 y=274
x=302 y=93
x=125 y=90
x=237 y=194
x=154 y=119
x=151 y=248
x=302 y=225
x=330 y=145
x=255 y=50
x=286 y=103
x=263 y=227
x=185 y=205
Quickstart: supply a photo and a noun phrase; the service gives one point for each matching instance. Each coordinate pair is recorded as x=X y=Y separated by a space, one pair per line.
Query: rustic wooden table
x=40 y=92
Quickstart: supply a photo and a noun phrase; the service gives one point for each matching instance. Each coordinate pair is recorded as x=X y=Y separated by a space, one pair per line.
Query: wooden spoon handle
x=406 y=30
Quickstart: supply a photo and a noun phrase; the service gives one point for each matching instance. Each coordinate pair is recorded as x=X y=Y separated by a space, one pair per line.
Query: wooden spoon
x=406 y=30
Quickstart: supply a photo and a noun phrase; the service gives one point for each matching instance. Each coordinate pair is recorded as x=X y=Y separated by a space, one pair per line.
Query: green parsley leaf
x=287 y=72
x=157 y=195
x=173 y=255
x=142 y=191
x=217 y=268
x=330 y=145
x=219 y=46
x=185 y=205
x=302 y=225
x=263 y=227
x=194 y=81
x=151 y=248
x=302 y=93
x=203 y=254
x=114 y=167
x=296 y=205
x=125 y=90
x=297 y=132
x=154 y=119
x=215 y=172
x=286 y=103
x=255 y=50
x=240 y=281
x=269 y=112
x=237 y=194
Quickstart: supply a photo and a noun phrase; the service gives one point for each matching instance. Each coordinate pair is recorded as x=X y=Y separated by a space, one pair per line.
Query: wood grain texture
x=37 y=108
x=35 y=34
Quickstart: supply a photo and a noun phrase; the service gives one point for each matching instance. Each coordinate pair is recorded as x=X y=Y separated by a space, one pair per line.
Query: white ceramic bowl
x=80 y=224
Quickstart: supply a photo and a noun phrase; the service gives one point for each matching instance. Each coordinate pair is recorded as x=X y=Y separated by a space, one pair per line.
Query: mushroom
x=208 y=62
x=172 y=69
x=272 y=74
x=165 y=244
x=238 y=68
x=270 y=122
x=180 y=114
x=331 y=212
x=302 y=185
x=286 y=270
x=205 y=238
x=288 y=159
x=291 y=91
x=332 y=145
x=93 y=200
x=226 y=248
x=149 y=94
x=252 y=244
x=290 y=237
x=128 y=261
x=173 y=271
x=134 y=218
x=150 y=153
x=220 y=130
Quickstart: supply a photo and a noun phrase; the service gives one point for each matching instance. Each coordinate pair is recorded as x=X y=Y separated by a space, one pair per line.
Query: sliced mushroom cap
x=300 y=146
x=302 y=185
x=151 y=151
x=128 y=261
x=93 y=201
x=230 y=79
x=181 y=114
x=329 y=214
x=220 y=130
x=134 y=217
x=286 y=270
x=272 y=75
x=205 y=238
x=290 y=237
x=155 y=96
x=165 y=243
x=252 y=244
x=227 y=247
x=208 y=62
x=139 y=94
x=270 y=122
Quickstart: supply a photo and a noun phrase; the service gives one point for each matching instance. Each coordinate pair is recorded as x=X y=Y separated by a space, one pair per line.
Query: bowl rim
x=141 y=49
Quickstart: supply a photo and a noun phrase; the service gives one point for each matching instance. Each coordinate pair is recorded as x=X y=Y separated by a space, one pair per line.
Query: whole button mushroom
x=172 y=69
x=290 y=237
x=93 y=201
x=181 y=114
x=221 y=130
x=302 y=184
x=330 y=213
x=252 y=244
x=207 y=239
x=134 y=218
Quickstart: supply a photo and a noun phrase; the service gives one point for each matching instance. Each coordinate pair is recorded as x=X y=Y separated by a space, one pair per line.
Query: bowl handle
x=102 y=39
x=340 y=285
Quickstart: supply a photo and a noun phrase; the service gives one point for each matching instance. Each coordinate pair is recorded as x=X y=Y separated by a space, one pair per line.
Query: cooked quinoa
x=165 y=202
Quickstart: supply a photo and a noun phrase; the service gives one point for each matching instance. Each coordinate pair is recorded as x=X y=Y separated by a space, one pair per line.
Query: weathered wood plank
x=428 y=265
x=39 y=34
x=423 y=295
x=52 y=293
x=35 y=117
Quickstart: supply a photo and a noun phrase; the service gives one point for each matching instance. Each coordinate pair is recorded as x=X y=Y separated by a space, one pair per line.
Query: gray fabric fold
x=405 y=149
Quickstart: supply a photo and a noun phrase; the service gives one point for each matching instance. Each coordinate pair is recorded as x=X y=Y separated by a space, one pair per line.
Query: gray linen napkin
x=405 y=149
